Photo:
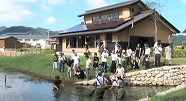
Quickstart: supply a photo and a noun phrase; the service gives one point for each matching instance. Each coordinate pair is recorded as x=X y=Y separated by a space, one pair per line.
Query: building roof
x=184 y=31
x=105 y=29
x=108 y=27
x=5 y=37
x=122 y=4
x=26 y=36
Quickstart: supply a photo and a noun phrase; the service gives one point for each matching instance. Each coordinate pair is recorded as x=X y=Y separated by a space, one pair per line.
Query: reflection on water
x=21 y=87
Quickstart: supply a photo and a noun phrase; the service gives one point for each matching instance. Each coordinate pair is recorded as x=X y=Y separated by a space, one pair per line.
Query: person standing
x=62 y=60
x=76 y=59
x=157 y=52
x=124 y=57
x=116 y=46
x=129 y=54
x=138 y=53
x=104 y=58
x=168 y=54
x=95 y=63
x=114 y=57
x=100 y=85
x=143 y=54
x=69 y=63
x=118 y=52
x=147 y=56
x=55 y=64
x=88 y=65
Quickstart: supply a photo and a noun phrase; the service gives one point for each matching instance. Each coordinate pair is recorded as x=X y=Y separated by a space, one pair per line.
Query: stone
x=154 y=83
x=160 y=83
x=148 y=75
x=153 y=74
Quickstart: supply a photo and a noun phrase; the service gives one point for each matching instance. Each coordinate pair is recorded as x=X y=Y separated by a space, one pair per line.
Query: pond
x=22 y=87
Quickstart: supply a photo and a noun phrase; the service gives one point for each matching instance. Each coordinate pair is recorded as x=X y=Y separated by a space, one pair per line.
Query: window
x=67 y=42
x=35 y=39
x=73 y=41
x=81 y=41
x=114 y=15
x=20 y=39
x=104 y=18
x=91 y=40
x=95 y=19
x=27 y=39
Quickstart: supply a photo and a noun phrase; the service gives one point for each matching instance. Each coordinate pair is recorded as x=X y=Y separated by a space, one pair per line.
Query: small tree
x=156 y=7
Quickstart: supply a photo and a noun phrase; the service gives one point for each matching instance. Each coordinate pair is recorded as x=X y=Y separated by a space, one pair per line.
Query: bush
x=48 y=51
x=179 y=52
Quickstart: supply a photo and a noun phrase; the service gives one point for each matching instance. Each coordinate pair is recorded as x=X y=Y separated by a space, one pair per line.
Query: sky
x=57 y=15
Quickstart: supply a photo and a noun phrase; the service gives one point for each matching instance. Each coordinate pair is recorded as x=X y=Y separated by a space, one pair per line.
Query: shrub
x=48 y=51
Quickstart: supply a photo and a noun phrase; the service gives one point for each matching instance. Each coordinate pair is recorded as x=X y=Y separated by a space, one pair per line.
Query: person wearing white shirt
x=62 y=60
x=76 y=62
x=104 y=58
x=129 y=54
x=120 y=70
x=157 y=52
x=88 y=65
x=114 y=57
x=147 y=56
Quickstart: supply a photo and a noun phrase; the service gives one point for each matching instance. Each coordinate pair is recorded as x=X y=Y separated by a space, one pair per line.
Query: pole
x=5 y=78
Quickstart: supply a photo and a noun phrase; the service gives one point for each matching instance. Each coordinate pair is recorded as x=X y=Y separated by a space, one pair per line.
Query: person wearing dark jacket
x=134 y=64
x=80 y=74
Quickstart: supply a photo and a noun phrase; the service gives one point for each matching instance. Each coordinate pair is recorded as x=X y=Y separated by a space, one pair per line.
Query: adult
x=120 y=87
x=101 y=69
x=168 y=54
x=134 y=64
x=104 y=57
x=138 y=53
x=88 y=65
x=69 y=63
x=124 y=56
x=72 y=54
x=76 y=59
x=80 y=74
x=155 y=45
x=95 y=63
x=147 y=56
x=100 y=86
x=57 y=84
x=86 y=46
x=62 y=59
x=116 y=46
x=118 y=52
x=114 y=58
x=55 y=64
x=143 y=53
x=129 y=54
x=120 y=70
x=157 y=51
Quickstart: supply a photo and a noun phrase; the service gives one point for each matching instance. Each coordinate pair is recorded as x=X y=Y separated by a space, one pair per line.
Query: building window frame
x=114 y=16
x=96 y=19
x=105 y=17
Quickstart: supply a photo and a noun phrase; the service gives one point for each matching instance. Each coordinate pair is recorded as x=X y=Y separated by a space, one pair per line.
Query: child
x=101 y=69
x=57 y=83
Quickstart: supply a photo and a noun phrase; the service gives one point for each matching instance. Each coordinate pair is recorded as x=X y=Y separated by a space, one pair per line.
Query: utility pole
x=48 y=34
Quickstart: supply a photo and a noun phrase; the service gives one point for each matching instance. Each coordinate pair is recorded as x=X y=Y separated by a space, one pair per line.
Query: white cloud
x=44 y=7
x=14 y=10
x=184 y=1
x=55 y=1
x=50 y=20
x=96 y=3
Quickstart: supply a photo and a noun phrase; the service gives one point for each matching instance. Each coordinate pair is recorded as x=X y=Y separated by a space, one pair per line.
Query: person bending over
x=80 y=74
x=57 y=84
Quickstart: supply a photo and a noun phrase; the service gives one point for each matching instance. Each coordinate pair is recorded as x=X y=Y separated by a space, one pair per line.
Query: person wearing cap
x=119 y=84
x=104 y=57
x=100 y=85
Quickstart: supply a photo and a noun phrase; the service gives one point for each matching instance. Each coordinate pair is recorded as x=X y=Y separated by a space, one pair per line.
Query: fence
x=17 y=53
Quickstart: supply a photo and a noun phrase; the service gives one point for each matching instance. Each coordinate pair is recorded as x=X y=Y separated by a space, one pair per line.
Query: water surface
x=22 y=87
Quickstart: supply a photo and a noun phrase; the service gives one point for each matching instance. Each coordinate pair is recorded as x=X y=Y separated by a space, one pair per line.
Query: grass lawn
x=179 y=95
x=41 y=65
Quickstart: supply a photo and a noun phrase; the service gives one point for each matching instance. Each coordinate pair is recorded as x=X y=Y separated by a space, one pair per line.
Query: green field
x=41 y=65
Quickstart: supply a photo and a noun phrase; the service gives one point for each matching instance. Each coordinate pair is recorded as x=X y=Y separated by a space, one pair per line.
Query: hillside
x=2 y=28
x=35 y=31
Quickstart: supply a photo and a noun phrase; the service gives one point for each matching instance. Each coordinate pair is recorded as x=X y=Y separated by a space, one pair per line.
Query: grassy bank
x=179 y=95
x=41 y=65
